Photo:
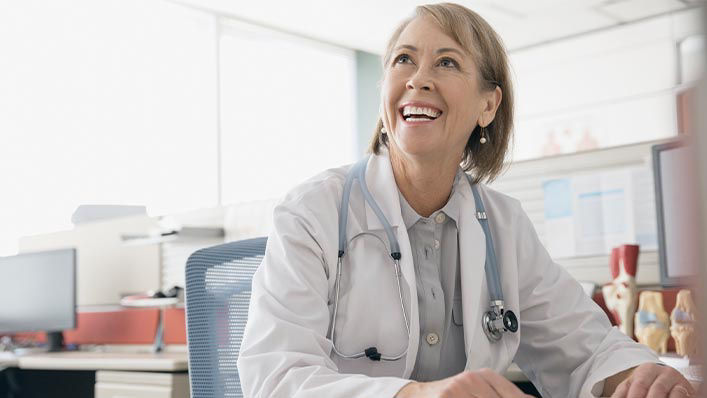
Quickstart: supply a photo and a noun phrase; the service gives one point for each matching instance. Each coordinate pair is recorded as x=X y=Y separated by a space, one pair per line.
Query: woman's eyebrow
x=448 y=50
x=441 y=50
x=407 y=46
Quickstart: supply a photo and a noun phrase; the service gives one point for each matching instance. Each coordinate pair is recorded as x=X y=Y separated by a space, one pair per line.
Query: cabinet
x=122 y=384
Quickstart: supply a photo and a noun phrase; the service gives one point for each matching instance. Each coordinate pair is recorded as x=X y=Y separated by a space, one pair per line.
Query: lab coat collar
x=381 y=183
x=451 y=208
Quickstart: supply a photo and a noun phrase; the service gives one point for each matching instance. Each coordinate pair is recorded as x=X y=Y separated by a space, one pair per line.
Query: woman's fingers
x=668 y=383
x=654 y=381
x=500 y=384
x=680 y=392
x=474 y=385
x=642 y=380
x=661 y=386
x=622 y=389
x=484 y=383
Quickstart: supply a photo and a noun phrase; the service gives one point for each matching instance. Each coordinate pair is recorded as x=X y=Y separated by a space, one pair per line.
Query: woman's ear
x=491 y=101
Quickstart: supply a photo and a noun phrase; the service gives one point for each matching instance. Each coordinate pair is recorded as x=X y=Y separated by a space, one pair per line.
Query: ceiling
x=366 y=24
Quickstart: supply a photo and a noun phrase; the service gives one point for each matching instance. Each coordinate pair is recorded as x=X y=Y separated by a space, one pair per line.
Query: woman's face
x=430 y=97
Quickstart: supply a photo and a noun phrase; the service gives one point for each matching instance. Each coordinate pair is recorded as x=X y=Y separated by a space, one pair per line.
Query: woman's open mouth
x=419 y=114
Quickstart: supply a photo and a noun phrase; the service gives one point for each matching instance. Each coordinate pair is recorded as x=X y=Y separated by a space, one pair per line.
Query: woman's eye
x=448 y=63
x=403 y=59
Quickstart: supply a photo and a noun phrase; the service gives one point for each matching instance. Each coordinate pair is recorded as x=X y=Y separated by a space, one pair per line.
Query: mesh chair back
x=218 y=283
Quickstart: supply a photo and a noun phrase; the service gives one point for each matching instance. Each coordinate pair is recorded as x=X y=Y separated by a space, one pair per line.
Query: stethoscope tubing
x=398 y=277
x=490 y=266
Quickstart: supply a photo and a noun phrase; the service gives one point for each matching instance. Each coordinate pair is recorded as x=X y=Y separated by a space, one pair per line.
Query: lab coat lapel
x=381 y=183
x=472 y=253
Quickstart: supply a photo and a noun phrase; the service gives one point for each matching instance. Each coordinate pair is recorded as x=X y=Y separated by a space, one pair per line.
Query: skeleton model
x=683 y=324
x=621 y=294
x=652 y=322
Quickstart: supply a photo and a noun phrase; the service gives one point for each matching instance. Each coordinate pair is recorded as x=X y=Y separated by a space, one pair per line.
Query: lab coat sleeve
x=567 y=345
x=285 y=351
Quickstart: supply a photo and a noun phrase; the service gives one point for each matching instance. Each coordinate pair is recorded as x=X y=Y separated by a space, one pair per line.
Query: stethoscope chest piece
x=497 y=321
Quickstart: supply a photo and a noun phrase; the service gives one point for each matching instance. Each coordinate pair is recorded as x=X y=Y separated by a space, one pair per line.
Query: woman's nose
x=420 y=81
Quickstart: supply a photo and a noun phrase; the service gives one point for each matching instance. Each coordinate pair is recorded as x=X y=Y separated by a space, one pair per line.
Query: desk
x=7 y=360
x=87 y=360
x=102 y=374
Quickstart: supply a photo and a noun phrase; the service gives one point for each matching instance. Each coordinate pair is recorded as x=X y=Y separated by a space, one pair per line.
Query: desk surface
x=164 y=362
x=7 y=360
x=83 y=360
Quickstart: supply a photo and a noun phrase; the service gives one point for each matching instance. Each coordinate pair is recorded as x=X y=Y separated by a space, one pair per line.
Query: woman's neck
x=426 y=183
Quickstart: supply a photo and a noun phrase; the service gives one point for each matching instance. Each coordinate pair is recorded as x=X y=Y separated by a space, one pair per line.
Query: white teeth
x=414 y=110
x=417 y=119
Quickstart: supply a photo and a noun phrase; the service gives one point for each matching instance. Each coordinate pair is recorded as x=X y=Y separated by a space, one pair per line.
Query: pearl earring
x=383 y=130
x=483 y=135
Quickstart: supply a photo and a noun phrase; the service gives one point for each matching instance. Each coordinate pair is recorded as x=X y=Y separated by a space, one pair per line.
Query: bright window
x=103 y=102
x=117 y=102
x=287 y=111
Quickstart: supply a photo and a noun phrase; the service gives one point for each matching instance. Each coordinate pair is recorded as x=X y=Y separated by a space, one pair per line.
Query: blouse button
x=440 y=218
x=436 y=244
x=432 y=338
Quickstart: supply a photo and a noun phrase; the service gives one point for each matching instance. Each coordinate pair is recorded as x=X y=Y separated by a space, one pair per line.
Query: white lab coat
x=565 y=344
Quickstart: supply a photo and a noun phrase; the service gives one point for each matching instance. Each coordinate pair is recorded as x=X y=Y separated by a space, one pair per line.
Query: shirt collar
x=451 y=209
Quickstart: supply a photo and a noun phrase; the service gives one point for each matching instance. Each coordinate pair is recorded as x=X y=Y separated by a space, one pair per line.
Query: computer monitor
x=676 y=208
x=38 y=293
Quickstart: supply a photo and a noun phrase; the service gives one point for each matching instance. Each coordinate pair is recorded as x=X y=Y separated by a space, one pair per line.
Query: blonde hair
x=475 y=35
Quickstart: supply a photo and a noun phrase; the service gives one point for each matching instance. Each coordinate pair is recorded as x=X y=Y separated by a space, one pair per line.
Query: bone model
x=683 y=324
x=652 y=322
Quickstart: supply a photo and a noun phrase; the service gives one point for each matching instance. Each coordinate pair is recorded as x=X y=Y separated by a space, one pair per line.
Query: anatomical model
x=621 y=294
x=652 y=322
x=683 y=324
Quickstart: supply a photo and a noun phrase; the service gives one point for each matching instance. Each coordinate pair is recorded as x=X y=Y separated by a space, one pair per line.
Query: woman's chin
x=417 y=142
x=417 y=149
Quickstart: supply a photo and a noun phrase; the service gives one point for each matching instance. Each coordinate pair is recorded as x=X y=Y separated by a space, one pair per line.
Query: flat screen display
x=38 y=291
x=676 y=209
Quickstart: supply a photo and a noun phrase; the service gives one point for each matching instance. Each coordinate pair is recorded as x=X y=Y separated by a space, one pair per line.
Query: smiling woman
x=469 y=57
x=400 y=276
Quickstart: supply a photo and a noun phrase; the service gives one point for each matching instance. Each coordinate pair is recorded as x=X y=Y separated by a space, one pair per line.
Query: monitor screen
x=38 y=291
x=676 y=208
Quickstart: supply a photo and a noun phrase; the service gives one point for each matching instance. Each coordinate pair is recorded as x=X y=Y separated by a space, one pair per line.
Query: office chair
x=218 y=283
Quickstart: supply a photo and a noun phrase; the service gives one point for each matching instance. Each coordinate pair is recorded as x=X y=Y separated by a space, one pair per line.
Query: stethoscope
x=494 y=323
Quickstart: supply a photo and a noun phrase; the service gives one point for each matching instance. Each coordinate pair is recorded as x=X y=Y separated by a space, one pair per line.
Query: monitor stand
x=55 y=341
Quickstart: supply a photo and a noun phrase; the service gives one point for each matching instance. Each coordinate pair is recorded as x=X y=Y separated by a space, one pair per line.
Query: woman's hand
x=484 y=383
x=654 y=381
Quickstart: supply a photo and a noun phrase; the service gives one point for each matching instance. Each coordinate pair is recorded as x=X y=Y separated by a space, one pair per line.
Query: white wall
x=613 y=90
x=106 y=268
x=602 y=89
x=287 y=111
